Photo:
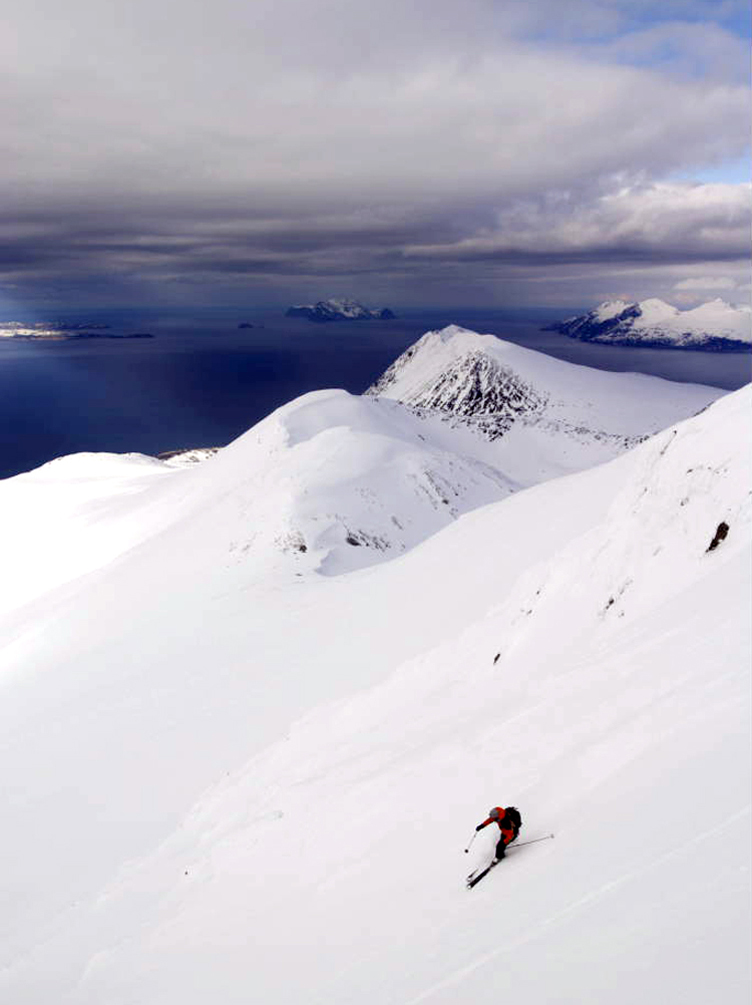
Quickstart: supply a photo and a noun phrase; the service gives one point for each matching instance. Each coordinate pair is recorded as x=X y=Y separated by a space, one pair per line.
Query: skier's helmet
x=494 y=813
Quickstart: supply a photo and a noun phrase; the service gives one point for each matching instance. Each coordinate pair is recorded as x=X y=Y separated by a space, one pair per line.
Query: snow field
x=329 y=867
x=230 y=778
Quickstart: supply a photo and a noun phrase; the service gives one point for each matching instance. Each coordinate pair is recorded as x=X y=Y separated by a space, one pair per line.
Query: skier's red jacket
x=507 y=830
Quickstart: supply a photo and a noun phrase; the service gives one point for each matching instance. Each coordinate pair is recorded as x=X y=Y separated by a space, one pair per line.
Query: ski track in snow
x=456 y=978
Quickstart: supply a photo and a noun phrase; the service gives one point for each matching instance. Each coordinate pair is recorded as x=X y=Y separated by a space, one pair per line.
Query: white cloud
x=678 y=221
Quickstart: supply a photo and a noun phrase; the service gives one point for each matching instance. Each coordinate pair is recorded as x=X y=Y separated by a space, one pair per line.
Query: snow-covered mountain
x=335 y=481
x=229 y=777
x=544 y=416
x=337 y=310
x=715 y=325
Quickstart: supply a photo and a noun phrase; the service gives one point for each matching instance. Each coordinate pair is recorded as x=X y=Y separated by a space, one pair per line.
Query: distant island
x=52 y=331
x=713 y=327
x=338 y=310
x=245 y=324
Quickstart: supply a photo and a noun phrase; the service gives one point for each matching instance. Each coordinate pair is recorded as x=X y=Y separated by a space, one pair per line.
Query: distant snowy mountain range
x=59 y=331
x=337 y=310
x=236 y=686
x=714 y=326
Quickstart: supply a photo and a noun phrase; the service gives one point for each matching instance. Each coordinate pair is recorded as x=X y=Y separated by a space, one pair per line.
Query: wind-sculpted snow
x=677 y=489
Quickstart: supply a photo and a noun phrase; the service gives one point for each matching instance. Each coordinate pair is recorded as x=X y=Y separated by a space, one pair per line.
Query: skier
x=509 y=821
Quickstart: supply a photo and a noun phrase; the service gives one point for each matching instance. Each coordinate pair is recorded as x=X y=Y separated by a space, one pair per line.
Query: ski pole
x=471 y=842
x=532 y=841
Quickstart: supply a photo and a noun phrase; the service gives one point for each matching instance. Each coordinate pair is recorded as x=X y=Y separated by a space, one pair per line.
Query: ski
x=476 y=877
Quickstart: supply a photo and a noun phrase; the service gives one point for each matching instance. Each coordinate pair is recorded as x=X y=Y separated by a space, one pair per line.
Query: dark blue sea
x=201 y=381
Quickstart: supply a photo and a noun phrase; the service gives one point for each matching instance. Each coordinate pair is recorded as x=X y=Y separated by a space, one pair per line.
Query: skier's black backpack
x=513 y=816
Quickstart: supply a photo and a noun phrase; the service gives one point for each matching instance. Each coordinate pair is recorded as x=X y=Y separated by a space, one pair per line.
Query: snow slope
x=715 y=325
x=229 y=778
x=71 y=516
x=332 y=479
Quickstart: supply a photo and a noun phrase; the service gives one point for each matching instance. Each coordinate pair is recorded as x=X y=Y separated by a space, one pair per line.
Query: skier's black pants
x=501 y=846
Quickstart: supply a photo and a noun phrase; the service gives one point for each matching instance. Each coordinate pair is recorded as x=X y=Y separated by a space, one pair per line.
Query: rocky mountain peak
x=451 y=373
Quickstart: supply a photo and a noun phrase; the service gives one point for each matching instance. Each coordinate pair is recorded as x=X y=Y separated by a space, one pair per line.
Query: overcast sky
x=405 y=152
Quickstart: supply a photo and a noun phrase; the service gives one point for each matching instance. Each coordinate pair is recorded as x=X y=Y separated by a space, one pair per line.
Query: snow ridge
x=334 y=482
x=493 y=386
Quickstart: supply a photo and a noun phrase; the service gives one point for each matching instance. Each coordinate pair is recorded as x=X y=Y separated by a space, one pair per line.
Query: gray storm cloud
x=387 y=145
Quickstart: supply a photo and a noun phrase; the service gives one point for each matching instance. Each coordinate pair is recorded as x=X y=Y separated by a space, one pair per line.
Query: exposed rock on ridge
x=501 y=390
x=474 y=387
